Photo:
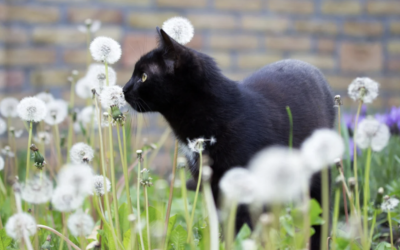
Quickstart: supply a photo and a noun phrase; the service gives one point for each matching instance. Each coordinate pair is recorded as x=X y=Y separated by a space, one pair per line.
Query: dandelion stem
x=184 y=196
x=346 y=212
x=335 y=216
x=58 y=146
x=212 y=215
x=306 y=219
x=289 y=112
x=125 y=169
x=391 y=229
x=88 y=57
x=146 y=198
x=3 y=188
x=195 y=196
x=138 y=130
x=171 y=187
x=70 y=128
x=325 y=207
x=371 y=231
x=28 y=153
x=61 y=236
x=366 y=194
x=230 y=229
x=138 y=202
x=357 y=195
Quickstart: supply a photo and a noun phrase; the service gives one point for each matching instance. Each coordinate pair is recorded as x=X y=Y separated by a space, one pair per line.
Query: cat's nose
x=127 y=86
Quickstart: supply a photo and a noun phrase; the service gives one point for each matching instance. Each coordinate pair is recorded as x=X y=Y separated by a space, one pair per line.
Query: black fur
x=188 y=89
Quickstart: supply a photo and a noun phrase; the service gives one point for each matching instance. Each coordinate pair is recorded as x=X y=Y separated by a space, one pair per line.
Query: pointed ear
x=172 y=49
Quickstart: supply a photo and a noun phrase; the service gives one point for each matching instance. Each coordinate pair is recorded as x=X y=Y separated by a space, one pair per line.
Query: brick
x=24 y=57
x=393 y=65
x=50 y=77
x=388 y=83
x=288 y=43
x=123 y=76
x=363 y=29
x=134 y=46
x=182 y=4
x=223 y=59
x=212 y=21
x=291 y=7
x=326 y=45
x=361 y=57
x=341 y=8
x=316 y=27
x=218 y=41
x=263 y=23
x=383 y=7
x=257 y=60
x=238 y=5
x=339 y=82
x=11 y=78
x=393 y=47
x=13 y=35
x=238 y=76
x=128 y=2
x=75 y=56
x=105 y=15
x=149 y=20
x=197 y=42
x=395 y=28
x=3 y=12
x=115 y=32
x=65 y=36
x=33 y=14
x=321 y=61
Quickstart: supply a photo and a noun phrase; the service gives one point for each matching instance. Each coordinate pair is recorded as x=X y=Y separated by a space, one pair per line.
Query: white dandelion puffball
x=321 y=149
x=90 y=25
x=111 y=96
x=97 y=77
x=37 y=190
x=83 y=88
x=80 y=224
x=57 y=111
x=372 y=133
x=31 y=109
x=65 y=199
x=81 y=153
x=179 y=28
x=20 y=224
x=363 y=89
x=238 y=185
x=3 y=126
x=389 y=204
x=8 y=107
x=98 y=185
x=45 y=97
x=1 y=163
x=249 y=244
x=78 y=176
x=86 y=116
x=105 y=49
x=42 y=137
x=280 y=174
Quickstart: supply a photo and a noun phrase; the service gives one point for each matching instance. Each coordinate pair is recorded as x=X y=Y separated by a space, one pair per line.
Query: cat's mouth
x=136 y=104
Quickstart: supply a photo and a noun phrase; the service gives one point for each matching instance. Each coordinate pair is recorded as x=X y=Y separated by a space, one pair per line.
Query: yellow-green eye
x=144 y=77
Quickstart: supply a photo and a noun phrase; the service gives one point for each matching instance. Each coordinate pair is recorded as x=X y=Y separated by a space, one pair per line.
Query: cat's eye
x=144 y=77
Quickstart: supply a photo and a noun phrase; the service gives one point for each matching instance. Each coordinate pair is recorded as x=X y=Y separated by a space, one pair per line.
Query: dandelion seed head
x=31 y=109
x=81 y=151
x=279 y=174
x=105 y=49
x=238 y=185
x=42 y=137
x=8 y=107
x=80 y=224
x=20 y=224
x=112 y=96
x=180 y=29
x=1 y=163
x=389 y=204
x=363 y=89
x=372 y=133
x=6 y=151
x=98 y=185
x=45 y=97
x=3 y=126
x=322 y=149
x=249 y=244
x=57 y=111
x=83 y=88
x=65 y=199
x=78 y=176
x=97 y=77
x=37 y=190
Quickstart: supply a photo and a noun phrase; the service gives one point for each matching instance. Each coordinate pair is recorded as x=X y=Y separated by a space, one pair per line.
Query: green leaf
x=315 y=212
x=127 y=239
x=178 y=238
x=171 y=224
x=5 y=240
x=383 y=246
x=109 y=236
x=244 y=233
x=123 y=213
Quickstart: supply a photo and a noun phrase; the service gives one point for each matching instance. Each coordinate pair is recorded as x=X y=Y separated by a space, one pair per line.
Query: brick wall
x=40 y=45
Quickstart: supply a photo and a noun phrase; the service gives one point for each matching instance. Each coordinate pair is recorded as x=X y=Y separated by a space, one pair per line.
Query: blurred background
x=40 y=44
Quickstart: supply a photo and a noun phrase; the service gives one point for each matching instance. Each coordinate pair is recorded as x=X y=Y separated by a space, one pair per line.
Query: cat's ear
x=172 y=49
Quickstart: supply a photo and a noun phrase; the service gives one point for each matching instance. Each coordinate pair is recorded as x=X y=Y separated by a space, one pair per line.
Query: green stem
x=3 y=188
x=366 y=195
x=146 y=198
x=212 y=215
x=107 y=81
x=325 y=207
x=230 y=230
x=171 y=188
x=371 y=231
x=306 y=215
x=70 y=128
x=58 y=146
x=346 y=209
x=184 y=196
x=88 y=56
x=335 y=216
x=289 y=112
x=391 y=230
x=138 y=203
x=125 y=169
x=28 y=153
x=64 y=231
x=70 y=243
x=195 y=196
x=357 y=195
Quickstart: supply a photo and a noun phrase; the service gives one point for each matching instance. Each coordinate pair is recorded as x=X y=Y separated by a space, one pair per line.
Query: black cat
x=188 y=89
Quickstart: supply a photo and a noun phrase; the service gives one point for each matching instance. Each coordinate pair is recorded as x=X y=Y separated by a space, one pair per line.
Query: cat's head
x=166 y=75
